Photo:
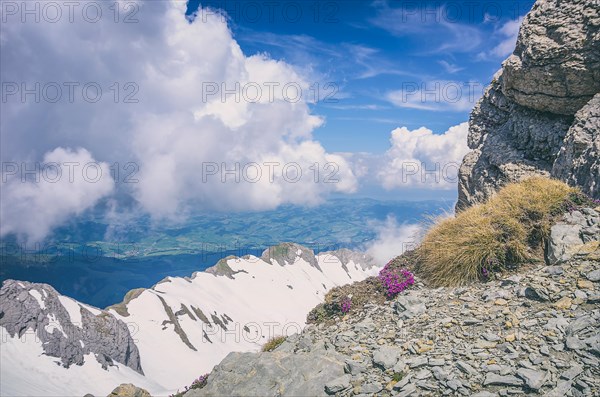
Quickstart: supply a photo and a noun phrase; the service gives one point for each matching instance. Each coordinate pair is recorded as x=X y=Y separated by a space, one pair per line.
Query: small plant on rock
x=395 y=280
x=273 y=343
x=196 y=384
x=346 y=304
x=575 y=201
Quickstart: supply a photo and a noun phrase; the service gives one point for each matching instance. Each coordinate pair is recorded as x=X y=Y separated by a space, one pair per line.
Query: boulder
x=129 y=390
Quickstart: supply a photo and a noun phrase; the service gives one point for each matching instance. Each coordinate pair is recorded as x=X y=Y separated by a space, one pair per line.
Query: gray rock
x=572 y=372
x=533 y=379
x=500 y=380
x=578 y=162
x=573 y=343
x=535 y=293
x=580 y=324
x=338 y=384
x=563 y=242
x=370 y=388
x=129 y=390
x=403 y=382
x=554 y=67
x=561 y=389
x=554 y=270
x=277 y=374
x=423 y=374
x=418 y=362
x=287 y=253
x=439 y=373
x=102 y=335
x=408 y=390
x=435 y=362
x=466 y=368
x=386 y=357
x=409 y=306
x=454 y=384
x=354 y=368
x=594 y=275
x=523 y=126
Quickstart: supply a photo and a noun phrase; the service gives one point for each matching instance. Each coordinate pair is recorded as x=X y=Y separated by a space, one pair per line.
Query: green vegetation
x=273 y=343
x=361 y=293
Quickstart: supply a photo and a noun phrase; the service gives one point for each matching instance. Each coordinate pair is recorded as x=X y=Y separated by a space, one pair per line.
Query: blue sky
x=367 y=50
x=387 y=87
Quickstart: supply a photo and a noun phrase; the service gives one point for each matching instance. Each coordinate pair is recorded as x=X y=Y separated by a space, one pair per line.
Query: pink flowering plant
x=346 y=304
x=395 y=280
x=196 y=384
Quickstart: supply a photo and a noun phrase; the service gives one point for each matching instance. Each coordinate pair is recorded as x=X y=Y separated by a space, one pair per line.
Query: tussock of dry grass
x=273 y=343
x=507 y=230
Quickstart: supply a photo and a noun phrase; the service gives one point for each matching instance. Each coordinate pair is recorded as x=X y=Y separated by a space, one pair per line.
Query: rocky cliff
x=67 y=329
x=541 y=113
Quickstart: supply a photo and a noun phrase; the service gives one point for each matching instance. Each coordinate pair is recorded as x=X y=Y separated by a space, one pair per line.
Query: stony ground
x=535 y=333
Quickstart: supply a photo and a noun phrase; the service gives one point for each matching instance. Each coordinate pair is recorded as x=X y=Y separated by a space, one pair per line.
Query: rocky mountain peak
x=540 y=114
x=67 y=329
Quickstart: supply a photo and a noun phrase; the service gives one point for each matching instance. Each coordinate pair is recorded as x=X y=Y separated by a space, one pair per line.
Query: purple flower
x=346 y=305
x=394 y=280
x=485 y=272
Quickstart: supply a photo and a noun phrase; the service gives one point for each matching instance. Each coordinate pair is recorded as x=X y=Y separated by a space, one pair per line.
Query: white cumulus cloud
x=421 y=159
x=39 y=196
x=164 y=107
x=392 y=239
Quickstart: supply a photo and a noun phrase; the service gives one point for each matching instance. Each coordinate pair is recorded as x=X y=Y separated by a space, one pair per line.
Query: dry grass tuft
x=273 y=343
x=508 y=230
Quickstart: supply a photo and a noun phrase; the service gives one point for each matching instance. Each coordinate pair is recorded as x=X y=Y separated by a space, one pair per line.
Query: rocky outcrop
x=346 y=256
x=535 y=333
x=298 y=367
x=539 y=115
x=555 y=67
x=66 y=329
x=578 y=162
x=287 y=253
x=129 y=390
x=578 y=233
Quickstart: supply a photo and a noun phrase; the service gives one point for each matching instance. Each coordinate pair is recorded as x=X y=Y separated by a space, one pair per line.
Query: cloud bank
x=420 y=158
x=201 y=124
x=67 y=183
x=392 y=239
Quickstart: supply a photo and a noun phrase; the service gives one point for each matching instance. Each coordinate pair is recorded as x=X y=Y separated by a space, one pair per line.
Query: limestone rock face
x=282 y=372
x=578 y=161
x=540 y=114
x=66 y=329
x=556 y=64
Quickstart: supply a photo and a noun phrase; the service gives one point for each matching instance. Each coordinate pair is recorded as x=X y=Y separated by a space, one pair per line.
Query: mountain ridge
x=199 y=319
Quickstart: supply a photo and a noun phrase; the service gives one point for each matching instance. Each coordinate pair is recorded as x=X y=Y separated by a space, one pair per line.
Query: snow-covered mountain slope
x=180 y=328
x=25 y=370
x=53 y=345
